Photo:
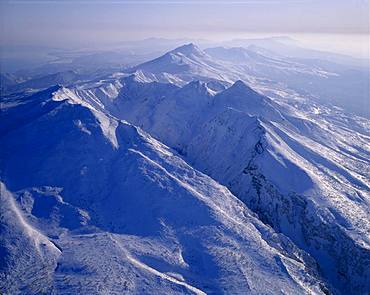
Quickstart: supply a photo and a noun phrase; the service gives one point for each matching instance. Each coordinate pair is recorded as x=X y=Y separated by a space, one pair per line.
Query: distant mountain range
x=328 y=78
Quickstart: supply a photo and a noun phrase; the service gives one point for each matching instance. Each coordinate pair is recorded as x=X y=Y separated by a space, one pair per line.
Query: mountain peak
x=240 y=85
x=241 y=89
x=177 y=61
x=195 y=86
x=188 y=49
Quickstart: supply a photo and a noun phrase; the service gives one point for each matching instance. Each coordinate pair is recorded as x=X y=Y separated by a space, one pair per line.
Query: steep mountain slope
x=26 y=254
x=102 y=207
x=304 y=174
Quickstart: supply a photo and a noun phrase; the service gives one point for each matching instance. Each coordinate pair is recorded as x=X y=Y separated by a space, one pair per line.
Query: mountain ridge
x=131 y=154
x=156 y=198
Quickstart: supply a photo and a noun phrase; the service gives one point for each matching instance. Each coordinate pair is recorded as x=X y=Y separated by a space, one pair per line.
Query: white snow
x=193 y=173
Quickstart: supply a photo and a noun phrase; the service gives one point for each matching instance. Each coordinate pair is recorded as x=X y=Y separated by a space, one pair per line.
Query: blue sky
x=57 y=22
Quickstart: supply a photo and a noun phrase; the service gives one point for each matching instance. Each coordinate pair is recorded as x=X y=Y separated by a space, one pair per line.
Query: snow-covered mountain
x=184 y=64
x=189 y=173
x=228 y=64
x=320 y=76
x=325 y=80
x=94 y=195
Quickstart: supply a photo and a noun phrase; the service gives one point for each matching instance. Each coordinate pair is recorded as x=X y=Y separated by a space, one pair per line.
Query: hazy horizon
x=337 y=26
